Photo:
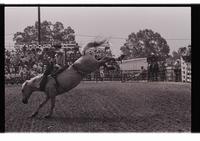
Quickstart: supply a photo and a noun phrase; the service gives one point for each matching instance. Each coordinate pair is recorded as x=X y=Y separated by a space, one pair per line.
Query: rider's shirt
x=60 y=60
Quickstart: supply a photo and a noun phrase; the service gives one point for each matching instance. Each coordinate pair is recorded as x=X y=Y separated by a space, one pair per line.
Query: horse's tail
x=93 y=44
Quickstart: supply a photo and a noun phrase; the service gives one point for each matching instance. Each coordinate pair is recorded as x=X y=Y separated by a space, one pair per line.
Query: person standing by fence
x=155 y=71
x=177 y=71
x=143 y=73
x=101 y=71
x=163 y=71
x=151 y=59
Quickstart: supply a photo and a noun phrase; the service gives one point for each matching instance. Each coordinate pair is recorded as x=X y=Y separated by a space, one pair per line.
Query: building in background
x=132 y=65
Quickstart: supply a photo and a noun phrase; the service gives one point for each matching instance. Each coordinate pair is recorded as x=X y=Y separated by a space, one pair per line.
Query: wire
x=112 y=37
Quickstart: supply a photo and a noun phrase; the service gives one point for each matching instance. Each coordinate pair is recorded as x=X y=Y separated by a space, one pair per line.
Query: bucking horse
x=68 y=79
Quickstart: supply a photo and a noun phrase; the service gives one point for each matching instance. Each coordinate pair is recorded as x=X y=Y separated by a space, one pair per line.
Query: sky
x=113 y=23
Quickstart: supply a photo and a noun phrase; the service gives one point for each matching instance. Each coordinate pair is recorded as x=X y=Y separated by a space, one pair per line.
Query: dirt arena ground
x=105 y=107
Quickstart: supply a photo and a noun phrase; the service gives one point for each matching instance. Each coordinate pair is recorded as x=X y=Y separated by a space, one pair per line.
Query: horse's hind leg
x=53 y=100
x=40 y=106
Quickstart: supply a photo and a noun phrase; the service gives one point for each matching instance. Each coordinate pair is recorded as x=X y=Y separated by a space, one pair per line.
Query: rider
x=58 y=62
x=60 y=59
x=49 y=70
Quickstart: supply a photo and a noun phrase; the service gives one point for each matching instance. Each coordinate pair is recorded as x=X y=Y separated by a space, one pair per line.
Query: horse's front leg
x=40 y=106
x=53 y=100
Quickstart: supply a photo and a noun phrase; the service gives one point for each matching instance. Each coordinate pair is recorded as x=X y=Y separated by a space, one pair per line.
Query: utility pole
x=39 y=36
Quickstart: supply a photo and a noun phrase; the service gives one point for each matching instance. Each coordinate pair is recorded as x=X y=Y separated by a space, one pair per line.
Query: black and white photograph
x=97 y=69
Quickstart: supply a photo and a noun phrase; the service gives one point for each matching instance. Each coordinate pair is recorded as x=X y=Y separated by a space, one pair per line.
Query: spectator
x=150 y=71
x=143 y=73
x=25 y=73
x=39 y=68
x=12 y=69
x=155 y=71
x=35 y=66
x=21 y=72
x=163 y=71
x=177 y=70
x=101 y=73
x=8 y=77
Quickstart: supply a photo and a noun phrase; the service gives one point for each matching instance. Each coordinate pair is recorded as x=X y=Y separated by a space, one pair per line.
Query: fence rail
x=168 y=75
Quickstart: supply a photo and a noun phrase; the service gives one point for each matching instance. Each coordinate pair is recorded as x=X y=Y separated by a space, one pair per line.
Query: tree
x=45 y=32
x=50 y=33
x=185 y=53
x=143 y=43
x=175 y=55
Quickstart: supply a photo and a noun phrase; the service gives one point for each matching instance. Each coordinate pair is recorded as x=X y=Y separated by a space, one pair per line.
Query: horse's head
x=28 y=87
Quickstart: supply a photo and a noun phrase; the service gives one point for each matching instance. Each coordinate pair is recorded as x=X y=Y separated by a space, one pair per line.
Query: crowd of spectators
x=26 y=62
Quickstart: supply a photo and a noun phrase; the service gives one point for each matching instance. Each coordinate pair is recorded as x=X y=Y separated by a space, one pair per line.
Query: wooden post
x=39 y=36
